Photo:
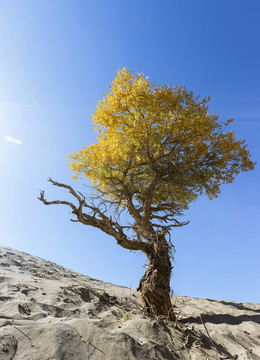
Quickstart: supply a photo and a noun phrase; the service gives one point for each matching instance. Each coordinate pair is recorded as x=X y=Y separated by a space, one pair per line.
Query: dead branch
x=95 y=218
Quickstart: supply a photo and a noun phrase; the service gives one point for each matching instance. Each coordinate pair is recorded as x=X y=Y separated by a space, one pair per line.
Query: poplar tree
x=157 y=150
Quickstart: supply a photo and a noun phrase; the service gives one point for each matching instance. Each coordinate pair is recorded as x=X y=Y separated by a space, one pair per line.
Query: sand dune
x=48 y=312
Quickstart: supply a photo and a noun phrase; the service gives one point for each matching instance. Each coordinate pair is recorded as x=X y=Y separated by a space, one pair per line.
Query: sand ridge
x=48 y=312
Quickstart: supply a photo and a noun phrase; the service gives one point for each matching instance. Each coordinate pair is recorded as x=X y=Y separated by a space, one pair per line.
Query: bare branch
x=71 y=190
x=96 y=218
x=41 y=198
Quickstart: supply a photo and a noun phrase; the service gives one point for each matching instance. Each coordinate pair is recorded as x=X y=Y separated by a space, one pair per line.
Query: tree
x=157 y=150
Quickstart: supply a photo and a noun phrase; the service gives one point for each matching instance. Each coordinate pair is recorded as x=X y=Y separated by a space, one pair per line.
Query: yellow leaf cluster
x=160 y=138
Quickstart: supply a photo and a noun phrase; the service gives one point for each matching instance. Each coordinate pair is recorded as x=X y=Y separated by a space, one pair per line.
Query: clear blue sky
x=57 y=58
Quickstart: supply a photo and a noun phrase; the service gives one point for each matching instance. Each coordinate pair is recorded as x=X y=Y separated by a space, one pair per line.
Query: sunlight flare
x=11 y=139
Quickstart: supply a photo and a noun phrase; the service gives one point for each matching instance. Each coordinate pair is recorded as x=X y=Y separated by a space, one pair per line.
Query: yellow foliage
x=158 y=141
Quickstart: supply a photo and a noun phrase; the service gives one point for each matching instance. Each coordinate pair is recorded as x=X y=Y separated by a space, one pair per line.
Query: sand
x=48 y=312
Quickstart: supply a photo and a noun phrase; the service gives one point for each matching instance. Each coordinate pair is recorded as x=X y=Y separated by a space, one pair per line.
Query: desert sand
x=48 y=312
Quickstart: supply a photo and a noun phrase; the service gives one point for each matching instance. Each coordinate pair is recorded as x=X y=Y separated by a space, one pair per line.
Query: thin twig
x=213 y=343
x=96 y=347
x=22 y=332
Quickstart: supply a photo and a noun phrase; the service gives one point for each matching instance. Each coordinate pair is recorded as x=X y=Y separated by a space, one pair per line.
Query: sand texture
x=48 y=312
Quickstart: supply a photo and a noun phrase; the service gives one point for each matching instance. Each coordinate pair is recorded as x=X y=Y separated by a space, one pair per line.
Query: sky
x=57 y=59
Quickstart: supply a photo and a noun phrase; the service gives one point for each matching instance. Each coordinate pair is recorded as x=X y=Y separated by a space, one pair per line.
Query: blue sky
x=57 y=58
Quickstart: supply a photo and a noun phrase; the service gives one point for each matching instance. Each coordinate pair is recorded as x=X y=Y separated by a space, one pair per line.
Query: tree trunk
x=155 y=283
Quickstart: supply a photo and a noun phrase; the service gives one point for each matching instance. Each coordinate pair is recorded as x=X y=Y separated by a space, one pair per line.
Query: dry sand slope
x=48 y=312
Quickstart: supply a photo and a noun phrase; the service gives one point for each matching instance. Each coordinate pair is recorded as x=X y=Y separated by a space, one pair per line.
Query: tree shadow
x=222 y=319
x=239 y=306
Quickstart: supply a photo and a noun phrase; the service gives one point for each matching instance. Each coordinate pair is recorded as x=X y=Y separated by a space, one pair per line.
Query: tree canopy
x=158 y=148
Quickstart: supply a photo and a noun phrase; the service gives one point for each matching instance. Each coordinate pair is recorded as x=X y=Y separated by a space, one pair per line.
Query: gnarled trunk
x=155 y=283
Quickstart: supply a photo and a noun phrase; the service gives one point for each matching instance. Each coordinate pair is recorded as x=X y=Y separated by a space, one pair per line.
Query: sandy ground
x=48 y=312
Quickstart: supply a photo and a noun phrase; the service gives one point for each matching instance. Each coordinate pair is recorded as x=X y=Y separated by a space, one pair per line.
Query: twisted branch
x=95 y=218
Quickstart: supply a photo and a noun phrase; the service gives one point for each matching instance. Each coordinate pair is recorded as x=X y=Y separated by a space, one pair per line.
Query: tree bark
x=155 y=283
